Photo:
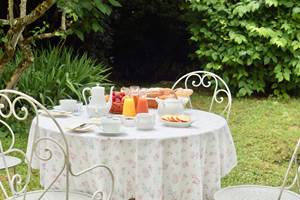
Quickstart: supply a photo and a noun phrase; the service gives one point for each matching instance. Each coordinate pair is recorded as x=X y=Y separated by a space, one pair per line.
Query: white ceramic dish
x=56 y=113
x=77 y=111
x=145 y=121
x=82 y=129
x=177 y=124
x=111 y=124
x=112 y=134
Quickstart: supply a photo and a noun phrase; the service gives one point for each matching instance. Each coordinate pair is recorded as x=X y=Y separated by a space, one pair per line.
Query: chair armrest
x=95 y=195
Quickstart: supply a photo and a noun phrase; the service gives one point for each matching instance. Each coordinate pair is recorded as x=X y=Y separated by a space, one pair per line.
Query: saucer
x=55 y=113
x=112 y=134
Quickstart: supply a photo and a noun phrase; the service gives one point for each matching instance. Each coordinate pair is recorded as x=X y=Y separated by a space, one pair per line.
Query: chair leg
x=15 y=185
x=14 y=172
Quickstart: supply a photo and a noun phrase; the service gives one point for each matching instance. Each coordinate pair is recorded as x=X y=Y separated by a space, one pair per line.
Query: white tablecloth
x=162 y=164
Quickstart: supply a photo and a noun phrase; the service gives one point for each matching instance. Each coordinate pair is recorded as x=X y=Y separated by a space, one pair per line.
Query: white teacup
x=79 y=107
x=111 y=125
x=69 y=105
x=145 y=121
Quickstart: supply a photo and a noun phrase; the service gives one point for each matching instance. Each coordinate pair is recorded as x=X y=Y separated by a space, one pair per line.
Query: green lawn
x=264 y=131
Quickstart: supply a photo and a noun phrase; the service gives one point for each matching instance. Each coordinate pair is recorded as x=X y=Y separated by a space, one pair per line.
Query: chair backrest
x=296 y=181
x=207 y=79
x=17 y=105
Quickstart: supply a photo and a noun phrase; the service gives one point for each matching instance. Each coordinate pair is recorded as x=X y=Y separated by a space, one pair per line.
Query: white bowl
x=111 y=125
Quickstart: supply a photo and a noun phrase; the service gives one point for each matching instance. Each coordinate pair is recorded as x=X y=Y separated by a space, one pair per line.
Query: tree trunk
x=7 y=56
x=27 y=60
x=3 y=61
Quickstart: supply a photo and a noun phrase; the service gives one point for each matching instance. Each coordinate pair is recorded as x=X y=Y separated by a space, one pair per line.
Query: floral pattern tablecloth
x=163 y=164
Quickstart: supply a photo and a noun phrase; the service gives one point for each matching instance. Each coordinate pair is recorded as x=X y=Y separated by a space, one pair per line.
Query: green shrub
x=253 y=44
x=57 y=73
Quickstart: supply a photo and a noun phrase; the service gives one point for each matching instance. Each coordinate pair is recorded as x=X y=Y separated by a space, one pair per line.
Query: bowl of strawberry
x=117 y=102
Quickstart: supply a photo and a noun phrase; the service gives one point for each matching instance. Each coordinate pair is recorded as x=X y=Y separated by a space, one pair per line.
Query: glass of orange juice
x=129 y=107
x=142 y=104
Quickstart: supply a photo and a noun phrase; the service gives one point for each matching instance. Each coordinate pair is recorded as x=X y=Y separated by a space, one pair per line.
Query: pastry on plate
x=176 y=118
x=181 y=92
x=162 y=93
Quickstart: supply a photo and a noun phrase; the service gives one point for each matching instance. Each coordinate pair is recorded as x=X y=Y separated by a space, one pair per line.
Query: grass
x=265 y=132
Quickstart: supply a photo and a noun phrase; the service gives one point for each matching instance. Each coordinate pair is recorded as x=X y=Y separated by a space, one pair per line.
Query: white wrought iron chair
x=11 y=162
x=260 y=192
x=208 y=79
x=15 y=105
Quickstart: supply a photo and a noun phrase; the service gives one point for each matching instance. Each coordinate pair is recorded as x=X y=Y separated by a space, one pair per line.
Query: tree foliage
x=18 y=28
x=253 y=44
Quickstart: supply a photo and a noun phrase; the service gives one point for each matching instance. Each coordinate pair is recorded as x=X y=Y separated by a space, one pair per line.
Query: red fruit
x=122 y=94
x=118 y=100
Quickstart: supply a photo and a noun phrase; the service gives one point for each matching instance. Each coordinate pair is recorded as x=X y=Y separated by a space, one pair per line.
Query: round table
x=166 y=163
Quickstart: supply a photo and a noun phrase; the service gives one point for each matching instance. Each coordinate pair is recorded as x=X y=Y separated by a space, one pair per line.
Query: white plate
x=83 y=129
x=112 y=134
x=177 y=124
x=59 y=109
x=56 y=113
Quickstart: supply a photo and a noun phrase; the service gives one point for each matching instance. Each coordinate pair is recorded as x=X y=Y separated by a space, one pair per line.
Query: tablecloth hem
x=229 y=170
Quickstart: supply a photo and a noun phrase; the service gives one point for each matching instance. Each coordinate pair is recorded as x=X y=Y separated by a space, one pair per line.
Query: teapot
x=170 y=106
x=96 y=104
